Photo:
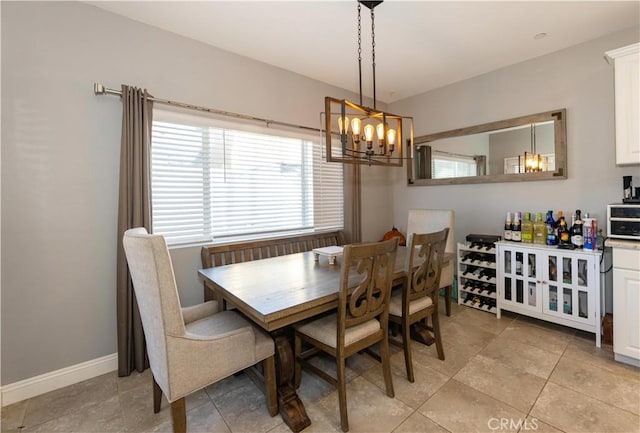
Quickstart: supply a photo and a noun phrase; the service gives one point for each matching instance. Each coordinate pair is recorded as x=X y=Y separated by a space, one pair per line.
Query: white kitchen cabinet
x=626 y=305
x=556 y=285
x=626 y=61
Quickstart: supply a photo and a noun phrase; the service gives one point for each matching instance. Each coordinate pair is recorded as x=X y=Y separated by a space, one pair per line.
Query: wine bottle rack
x=477 y=276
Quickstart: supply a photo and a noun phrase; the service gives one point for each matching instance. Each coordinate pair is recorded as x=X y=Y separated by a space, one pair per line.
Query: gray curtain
x=352 y=203
x=134 y=210
x=481 y=165
x=423 y=162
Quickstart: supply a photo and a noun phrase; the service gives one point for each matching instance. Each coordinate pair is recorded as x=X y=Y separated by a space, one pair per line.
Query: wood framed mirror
x=525 y=148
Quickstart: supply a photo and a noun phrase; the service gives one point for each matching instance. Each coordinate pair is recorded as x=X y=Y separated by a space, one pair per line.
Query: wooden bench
x=238 y=252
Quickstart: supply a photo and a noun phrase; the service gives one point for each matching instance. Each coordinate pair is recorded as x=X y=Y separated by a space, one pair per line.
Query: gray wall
x=60 y=153
x=578 y=79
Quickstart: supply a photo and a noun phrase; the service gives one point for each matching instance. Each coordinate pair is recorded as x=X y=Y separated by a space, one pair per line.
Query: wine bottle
x=552 y=238
x=527 y=229
x=516 y=233
x=507 y=227
x=539 y=230
x=577 y=239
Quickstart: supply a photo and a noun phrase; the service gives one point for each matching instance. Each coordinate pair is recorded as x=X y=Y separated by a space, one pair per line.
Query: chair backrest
x=365 y=283
x=432 y=220
x=155 y=288
x=425 y=258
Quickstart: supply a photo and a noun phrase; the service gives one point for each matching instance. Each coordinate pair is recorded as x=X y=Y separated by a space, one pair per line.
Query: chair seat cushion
x=228 y=323
x=325 y=330
x=395 y=306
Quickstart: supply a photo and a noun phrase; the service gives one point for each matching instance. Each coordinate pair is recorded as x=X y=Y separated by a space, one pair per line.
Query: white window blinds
x=219 y=181
x=447 y=165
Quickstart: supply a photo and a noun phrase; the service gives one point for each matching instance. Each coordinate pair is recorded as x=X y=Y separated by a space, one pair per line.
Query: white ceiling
x=420 y=45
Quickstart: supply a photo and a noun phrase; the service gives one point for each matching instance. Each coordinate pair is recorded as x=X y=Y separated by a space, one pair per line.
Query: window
x=216 y=181
x=445 y=165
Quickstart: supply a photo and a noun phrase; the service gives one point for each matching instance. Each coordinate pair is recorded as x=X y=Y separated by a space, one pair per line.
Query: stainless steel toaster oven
x=623 y=221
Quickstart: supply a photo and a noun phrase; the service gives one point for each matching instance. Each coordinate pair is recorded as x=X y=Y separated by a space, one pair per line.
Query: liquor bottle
x=507 y=227
x=576 y=231
x=563 y=233
x=527 y=229
x=516 y=233
x=552 y=238
x=539 y=230
x=560 y=215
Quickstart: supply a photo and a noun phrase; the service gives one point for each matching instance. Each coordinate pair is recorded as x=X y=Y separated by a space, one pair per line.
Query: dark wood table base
x=422 y=334
x=290 y=406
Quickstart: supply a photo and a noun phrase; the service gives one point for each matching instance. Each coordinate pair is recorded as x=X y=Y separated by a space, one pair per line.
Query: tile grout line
x=224 y=420
x=546 y=381
x=581 y=392
x=452 y=378
x=528 y=413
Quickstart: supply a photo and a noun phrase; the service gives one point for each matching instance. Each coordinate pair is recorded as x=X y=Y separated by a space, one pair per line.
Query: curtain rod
x=457 y=155
x=99 y=89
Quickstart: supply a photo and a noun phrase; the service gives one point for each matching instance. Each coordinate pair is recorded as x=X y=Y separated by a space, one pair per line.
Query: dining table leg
x=291 y=408
x=421 y=333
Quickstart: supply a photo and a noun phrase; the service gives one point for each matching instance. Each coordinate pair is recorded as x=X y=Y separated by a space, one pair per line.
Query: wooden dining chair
x=418 y=298
x=360 y=322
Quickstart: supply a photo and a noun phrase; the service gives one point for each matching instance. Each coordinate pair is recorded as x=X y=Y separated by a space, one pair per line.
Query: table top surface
x=279 y=291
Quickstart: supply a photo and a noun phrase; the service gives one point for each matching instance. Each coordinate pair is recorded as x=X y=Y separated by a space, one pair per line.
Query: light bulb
x=343 y=122
x=391 y=137
x=356 y=124
x=380 y=131
x=368 y=133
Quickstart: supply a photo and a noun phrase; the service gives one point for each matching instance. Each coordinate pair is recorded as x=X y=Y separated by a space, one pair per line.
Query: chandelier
x=357 y=134
x=532 y=161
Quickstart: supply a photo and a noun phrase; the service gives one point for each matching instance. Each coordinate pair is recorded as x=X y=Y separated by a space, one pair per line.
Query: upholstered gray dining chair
x=361 y=320
x=433 y=220
x=189 y=348
x=418 y=298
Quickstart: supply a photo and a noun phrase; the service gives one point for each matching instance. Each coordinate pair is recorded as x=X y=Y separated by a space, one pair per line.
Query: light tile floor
x=513 y=374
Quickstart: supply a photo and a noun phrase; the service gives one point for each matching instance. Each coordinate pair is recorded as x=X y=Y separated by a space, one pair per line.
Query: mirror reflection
x=525 y=148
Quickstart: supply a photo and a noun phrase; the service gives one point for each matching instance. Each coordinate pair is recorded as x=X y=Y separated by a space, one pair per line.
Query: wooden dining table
x=280 y=291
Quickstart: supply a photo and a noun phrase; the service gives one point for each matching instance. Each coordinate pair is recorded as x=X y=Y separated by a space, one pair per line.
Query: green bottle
x=539 y=230
x=527 y=229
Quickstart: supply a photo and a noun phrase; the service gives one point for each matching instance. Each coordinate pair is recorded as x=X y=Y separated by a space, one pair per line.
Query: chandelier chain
x=360 y=53
x=373 y=38
x=373 y=54
x=359 y=35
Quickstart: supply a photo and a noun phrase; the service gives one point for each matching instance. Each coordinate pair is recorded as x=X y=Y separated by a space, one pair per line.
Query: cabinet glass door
x=583 y=283
x=520 y=279
x=565 y=293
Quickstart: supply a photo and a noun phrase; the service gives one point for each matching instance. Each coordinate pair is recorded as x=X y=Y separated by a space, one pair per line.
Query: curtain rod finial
x=99 y=89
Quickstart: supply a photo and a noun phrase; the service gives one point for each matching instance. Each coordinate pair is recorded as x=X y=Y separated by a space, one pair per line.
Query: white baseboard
x=24 y=389
x=627 y=359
